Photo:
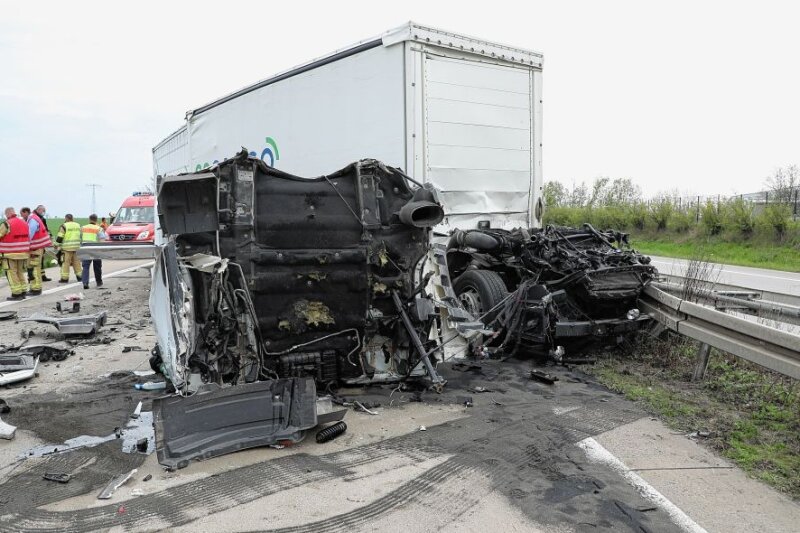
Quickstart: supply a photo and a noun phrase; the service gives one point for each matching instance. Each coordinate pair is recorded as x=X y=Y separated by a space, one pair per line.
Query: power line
x=94 y=187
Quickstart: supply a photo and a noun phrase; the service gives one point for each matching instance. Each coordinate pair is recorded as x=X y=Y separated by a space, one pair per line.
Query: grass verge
x=747 y=414
x=748 y=253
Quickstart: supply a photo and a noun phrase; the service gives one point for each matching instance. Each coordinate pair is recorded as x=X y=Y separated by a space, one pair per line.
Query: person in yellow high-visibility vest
x=69 y=241
x=92 y=233
x=15 y=245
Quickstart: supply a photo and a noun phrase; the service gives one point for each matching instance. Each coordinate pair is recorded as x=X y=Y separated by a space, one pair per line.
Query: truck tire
x=479 y=291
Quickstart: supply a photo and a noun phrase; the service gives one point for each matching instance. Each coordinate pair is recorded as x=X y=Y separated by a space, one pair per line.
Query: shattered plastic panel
x=209 y=424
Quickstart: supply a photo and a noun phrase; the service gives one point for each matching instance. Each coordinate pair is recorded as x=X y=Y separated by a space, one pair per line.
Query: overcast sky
x=701 y=97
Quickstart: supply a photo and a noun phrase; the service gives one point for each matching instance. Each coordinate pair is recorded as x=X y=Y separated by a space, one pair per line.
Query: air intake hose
x=480 y=241
x=422 y=211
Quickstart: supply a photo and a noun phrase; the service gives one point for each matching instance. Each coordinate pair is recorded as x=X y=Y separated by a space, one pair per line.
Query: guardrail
x=738 y=299
x=764 y=345
x=117 y=251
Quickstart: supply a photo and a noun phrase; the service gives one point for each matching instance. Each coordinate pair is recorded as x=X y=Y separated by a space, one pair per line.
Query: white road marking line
x=77 y=283
x=724 y=269
x=596 y=453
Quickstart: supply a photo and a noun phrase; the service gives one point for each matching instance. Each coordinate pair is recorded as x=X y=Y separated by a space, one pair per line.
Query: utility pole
x=94 y=187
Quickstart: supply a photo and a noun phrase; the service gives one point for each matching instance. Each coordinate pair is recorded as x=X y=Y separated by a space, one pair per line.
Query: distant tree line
x=618 y=203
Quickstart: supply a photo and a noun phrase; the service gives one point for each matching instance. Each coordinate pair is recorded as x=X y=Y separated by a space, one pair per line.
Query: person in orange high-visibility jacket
x=40 y=240
x=15 y=245
x=68 y=240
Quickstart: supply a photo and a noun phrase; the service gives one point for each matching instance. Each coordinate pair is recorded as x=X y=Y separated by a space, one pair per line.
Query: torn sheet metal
x=17 y=367
x=114 y=484
x=209 y=424
x=78 y=325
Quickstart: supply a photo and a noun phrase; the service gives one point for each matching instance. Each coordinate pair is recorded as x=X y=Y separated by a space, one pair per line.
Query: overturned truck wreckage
x=271 y=282
x=547 y=290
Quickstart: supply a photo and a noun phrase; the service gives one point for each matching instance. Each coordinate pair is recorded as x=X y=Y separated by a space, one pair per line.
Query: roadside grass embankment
x=749 y=253
x=746 y=413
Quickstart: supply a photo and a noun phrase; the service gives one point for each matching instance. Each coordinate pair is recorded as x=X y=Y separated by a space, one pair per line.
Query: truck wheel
x=479 y=291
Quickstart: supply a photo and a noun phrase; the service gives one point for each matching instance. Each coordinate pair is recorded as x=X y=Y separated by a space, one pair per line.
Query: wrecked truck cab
x=546 y=290
x=269 y=285
x=268 y=275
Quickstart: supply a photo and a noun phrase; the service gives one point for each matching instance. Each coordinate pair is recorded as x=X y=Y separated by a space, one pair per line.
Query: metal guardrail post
x=703 y=354
x=766 y=346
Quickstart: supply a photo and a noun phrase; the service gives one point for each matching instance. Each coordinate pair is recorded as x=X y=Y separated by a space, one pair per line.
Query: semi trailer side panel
x=313 y=122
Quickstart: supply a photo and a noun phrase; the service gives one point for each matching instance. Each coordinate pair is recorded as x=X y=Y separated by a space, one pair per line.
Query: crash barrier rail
x=761 y=344
x=117 y=251
x=790 y=300
x=738 y=299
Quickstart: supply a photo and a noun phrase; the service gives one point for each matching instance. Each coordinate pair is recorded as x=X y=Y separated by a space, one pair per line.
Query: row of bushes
x=735 y=216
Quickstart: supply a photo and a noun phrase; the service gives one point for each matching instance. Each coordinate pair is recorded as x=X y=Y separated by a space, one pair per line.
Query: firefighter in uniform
x=41 y=212
x=15 y=244
x=91 y=232
x=40 y=240
x=68 y=240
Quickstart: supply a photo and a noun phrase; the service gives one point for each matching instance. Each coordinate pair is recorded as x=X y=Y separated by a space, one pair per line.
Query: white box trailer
x=459 y=112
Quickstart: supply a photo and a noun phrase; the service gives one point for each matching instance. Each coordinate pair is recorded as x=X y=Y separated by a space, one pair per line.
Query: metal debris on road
x=137 y=411
x=114 y=484
x=58 y=477
x=544 y=377
x=8 y=315
x=358 y=406
x=126 y=349
x=79 y=325
x=68 y=307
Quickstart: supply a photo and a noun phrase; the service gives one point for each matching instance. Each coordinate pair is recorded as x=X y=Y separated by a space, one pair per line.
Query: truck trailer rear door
x=478 y=120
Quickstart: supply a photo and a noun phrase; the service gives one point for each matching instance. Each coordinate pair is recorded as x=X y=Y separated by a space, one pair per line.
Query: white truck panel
x=321 y=120
x=171 y=156
x=456 y=111
x=479 y=151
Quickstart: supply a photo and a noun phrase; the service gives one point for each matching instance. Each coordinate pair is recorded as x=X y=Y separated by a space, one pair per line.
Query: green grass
x=749 y=253
x=753 y=415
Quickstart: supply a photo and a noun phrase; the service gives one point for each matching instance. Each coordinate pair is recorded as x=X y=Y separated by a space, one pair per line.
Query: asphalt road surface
x=759 y=279
x=526 y=456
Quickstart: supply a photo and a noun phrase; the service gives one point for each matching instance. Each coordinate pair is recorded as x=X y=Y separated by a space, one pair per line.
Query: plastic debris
x=7 y=431
x=151 y=385
x=331 y=432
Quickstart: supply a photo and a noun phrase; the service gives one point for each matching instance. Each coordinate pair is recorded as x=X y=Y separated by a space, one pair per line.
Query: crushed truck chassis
x=548 y=289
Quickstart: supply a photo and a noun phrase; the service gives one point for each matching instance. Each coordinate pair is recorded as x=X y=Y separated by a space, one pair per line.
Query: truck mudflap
x=225 y=420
